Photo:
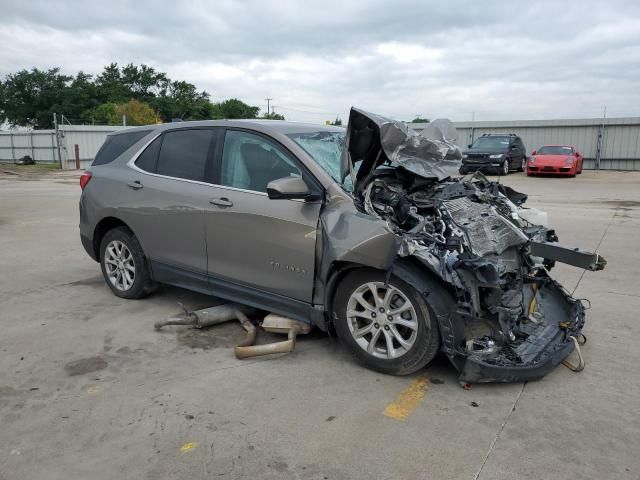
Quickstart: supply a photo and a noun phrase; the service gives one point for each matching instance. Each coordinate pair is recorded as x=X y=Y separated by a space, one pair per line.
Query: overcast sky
x=504 y=60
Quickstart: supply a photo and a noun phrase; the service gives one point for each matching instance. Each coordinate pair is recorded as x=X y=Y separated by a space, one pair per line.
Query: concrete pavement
x=89 y=390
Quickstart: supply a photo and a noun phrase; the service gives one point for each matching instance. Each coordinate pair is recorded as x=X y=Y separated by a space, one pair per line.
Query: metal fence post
x=53 y=147
x=13 y=150
x=33 y=153
x=55 y=123
x=77 y=150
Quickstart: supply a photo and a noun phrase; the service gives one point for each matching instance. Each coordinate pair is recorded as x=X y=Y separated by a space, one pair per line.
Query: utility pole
x=268 y=105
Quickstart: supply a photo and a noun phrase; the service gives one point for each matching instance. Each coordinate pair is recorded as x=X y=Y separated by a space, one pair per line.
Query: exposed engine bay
x=512 y=321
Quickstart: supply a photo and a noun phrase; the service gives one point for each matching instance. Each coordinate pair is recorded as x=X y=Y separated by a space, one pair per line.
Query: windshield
x=555 y=151
x=325 y=147
x=501 y=143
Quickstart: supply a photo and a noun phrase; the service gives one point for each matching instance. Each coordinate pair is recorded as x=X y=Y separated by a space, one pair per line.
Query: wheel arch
x=101 y=229
x=437 y=294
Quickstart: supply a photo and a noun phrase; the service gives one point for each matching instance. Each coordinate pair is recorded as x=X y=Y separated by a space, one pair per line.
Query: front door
x=254 y=241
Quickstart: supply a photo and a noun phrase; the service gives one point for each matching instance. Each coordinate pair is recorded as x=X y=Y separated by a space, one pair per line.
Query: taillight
x=84 y=179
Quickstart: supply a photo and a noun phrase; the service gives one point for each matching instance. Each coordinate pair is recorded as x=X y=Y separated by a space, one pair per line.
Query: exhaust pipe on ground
x=208 y=317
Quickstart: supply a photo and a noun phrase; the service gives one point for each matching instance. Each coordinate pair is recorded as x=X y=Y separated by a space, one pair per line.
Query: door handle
x=136 y=185
x=221 y=202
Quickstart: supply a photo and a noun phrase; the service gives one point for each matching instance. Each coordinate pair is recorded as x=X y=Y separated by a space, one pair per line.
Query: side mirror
x=534 y=152
x=290 y=188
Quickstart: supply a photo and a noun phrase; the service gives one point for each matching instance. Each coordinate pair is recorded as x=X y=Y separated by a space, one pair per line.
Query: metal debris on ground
x=246 y=348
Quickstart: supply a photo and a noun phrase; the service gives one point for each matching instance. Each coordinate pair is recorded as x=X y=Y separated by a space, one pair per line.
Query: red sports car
x=555 y=160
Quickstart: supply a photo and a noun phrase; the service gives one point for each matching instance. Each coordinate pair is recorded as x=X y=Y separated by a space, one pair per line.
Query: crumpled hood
x=374 y=140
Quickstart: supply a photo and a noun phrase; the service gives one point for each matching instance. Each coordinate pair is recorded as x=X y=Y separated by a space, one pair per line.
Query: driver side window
x=251 y=161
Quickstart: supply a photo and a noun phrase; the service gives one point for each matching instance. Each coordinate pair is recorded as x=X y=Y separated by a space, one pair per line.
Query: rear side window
x=147 y=159
x=183 y=154
x=115 y=145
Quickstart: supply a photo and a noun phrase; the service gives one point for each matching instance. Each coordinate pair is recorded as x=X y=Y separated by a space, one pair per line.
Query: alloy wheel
x=382 y=320
x=120 y=266
x=505 y=167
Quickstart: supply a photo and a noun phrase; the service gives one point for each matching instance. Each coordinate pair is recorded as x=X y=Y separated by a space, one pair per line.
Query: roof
x=280 y=126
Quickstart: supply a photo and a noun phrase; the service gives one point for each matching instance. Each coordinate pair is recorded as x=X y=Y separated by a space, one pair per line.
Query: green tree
x=337 y=122
x=105 y=114
x=30 y=98
x=182 y=100
x=79 y=96
x=143 y=82
x=273 y=116
x=110 y=86
x=419 y=119
x=234 y=108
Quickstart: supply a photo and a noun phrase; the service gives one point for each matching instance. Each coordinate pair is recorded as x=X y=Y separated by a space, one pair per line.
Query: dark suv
x=496 y=153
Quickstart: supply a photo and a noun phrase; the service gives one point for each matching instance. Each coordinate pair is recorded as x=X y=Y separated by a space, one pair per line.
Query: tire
x=504 y=169
x=523 y=165
x=421 y=343
x=124 y=266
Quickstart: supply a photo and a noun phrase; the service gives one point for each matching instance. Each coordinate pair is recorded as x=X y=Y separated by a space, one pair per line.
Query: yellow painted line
x=408 y=400
x=187 y=447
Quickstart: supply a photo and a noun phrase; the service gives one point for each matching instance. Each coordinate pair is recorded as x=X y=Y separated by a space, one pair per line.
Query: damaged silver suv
x=363 y=231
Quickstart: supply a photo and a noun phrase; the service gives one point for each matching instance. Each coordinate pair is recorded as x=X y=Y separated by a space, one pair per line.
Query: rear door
x=170 y=191
x=254 y=241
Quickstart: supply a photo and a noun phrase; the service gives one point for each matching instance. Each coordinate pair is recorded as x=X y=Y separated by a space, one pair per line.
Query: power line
x=282 y=107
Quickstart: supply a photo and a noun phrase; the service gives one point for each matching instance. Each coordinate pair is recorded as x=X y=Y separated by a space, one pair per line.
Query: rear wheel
x=386 y=326
x=523 y=165
x=124 y=265
x=505 y=167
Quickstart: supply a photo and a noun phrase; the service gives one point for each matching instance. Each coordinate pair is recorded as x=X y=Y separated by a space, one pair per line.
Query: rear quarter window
x=115 y=145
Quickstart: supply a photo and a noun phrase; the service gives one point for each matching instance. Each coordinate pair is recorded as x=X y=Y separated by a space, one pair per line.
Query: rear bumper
x=88 y=246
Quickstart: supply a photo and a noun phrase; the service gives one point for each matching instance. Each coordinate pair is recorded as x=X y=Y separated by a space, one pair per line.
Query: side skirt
x=253 y=297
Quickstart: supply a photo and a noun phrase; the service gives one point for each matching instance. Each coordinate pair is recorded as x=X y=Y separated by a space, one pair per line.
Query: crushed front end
x=508 y=320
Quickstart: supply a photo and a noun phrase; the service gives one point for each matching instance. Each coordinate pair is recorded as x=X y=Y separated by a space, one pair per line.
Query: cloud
x=500 y=60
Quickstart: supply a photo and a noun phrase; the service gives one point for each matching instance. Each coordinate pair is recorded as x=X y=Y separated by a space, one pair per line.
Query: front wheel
x=386 y=326
x=505 y=167
x=124 y=265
